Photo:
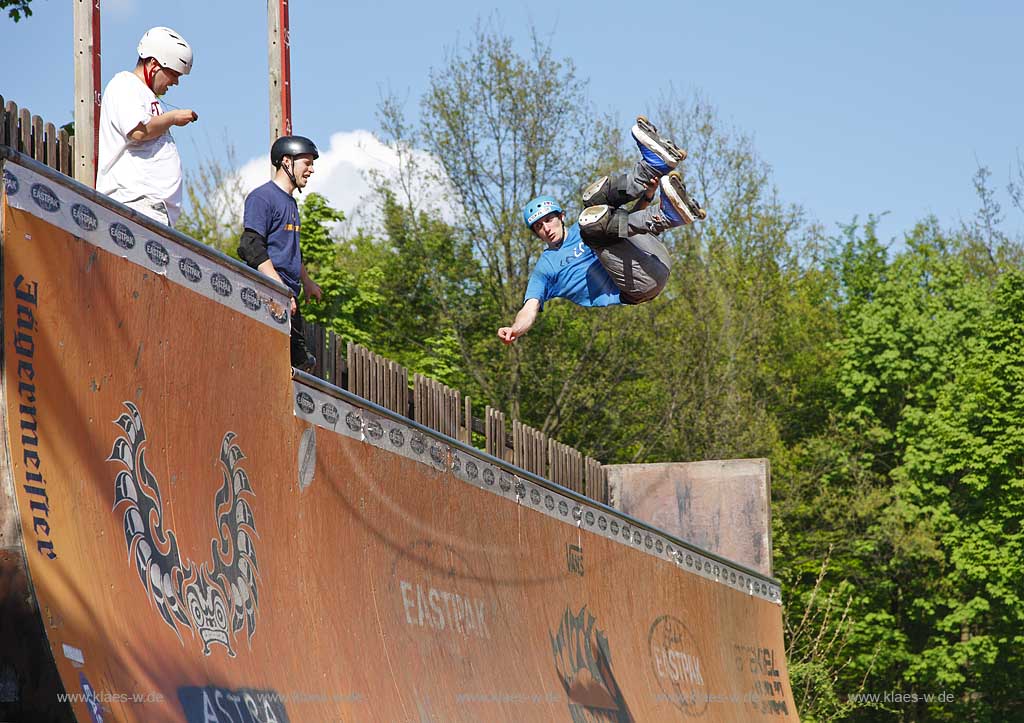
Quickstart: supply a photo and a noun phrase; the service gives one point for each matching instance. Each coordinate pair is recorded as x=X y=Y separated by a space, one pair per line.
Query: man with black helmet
x=270 y=241
x=138 y=162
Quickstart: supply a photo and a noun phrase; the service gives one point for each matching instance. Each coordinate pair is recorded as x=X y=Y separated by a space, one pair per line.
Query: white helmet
x=169 y=49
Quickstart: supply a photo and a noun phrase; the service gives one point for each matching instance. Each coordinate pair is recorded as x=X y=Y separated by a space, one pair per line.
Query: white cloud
x=121 y=8
x=342 y=175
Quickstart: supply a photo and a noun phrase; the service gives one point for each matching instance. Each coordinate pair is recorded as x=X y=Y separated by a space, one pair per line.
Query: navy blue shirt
x=274 y=215
x=572 y=271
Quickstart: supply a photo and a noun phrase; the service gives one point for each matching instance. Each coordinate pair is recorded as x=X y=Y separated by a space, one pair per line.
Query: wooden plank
x=50 y=146
x=68 y=154
x=25 y=131
x=38 y=140
x=11 y=125
x=353 y=372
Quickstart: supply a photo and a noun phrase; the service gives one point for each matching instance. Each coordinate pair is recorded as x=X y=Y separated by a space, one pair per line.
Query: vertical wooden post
x=87 y=89
x=280 y=69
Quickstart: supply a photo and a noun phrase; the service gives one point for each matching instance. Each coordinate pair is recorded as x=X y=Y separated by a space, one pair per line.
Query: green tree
x=488 y=119
x=16 y=8
x=351 y=296
x=214 y=199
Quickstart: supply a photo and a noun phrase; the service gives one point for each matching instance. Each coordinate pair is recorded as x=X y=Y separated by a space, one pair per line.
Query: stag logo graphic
x=216 y=599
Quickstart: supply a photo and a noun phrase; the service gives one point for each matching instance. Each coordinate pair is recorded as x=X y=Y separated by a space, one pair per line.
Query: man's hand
x=294 y=305
x=183 y=116
x=523 y=322
x=312 y=289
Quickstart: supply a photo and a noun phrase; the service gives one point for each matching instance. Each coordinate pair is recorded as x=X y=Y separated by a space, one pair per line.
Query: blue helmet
x=539 y=208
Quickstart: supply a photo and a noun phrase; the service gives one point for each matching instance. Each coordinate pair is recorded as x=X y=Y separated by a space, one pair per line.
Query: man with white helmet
x=613 y=253
x=138 y=163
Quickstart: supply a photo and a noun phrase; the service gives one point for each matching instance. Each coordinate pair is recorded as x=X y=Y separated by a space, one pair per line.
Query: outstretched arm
x=524 y=320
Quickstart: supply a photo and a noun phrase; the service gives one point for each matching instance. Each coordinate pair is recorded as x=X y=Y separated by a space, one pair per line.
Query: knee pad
x=609 y=191
x=594 y=220
x=596 y=194
x=603 y=225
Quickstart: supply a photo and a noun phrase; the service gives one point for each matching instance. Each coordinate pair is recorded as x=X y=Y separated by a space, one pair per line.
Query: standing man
x=270 y=241
x=139 y=163
x=611 y=255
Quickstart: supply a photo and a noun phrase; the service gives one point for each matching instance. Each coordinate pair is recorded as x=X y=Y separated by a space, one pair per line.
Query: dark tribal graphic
x=218 y=598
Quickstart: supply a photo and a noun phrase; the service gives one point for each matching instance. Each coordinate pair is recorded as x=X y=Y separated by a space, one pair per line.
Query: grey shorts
x=638 y=265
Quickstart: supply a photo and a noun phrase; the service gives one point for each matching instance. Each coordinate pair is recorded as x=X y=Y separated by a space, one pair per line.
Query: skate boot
x=677 y=206
x=660 y=153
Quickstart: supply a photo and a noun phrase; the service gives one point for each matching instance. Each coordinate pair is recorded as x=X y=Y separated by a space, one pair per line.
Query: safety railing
x=37 y=139
x=435 y=405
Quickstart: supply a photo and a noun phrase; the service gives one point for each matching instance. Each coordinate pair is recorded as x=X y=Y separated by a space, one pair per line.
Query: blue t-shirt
x=274 y=215
x=572 y=271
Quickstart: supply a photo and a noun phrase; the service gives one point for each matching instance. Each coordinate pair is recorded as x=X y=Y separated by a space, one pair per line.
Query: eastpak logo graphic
x=330 y=413
x=305 y=402
x=45 y=198
x=84 y=217
x=250 y=299
x=676 y=662
x=157 y=253
x=11 y=183
x=190 y=270
x=221 y=284
x=122 y=235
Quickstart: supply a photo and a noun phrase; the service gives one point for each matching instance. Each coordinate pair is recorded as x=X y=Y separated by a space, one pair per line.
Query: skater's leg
x=604 y=225
x=676 y=208
x=621 y=188
x=627 y=244
x=659 y=155
x=301 y=358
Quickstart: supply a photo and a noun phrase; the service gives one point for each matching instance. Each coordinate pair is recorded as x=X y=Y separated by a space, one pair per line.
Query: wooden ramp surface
x=208 y=539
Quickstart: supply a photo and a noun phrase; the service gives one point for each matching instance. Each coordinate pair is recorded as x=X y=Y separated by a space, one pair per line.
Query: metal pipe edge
x=344 y=395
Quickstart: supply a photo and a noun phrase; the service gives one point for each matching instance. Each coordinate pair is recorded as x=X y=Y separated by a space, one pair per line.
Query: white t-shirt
x=130 y=169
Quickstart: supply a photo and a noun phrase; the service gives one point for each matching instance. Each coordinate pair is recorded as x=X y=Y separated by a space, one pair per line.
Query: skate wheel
x=702 y=214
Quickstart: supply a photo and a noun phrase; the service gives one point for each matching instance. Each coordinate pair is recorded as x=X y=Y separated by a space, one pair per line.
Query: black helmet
x=291 y=146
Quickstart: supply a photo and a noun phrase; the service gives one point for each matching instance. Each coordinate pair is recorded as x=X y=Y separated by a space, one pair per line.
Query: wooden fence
x=360 y=371
x=29 y=134
x=446 y=410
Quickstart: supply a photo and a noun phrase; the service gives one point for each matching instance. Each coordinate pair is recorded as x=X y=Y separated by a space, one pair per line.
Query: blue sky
x=858 y=107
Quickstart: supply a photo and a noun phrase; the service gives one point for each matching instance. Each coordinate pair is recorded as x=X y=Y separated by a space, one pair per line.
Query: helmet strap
x=148 y=74
x=288 y=172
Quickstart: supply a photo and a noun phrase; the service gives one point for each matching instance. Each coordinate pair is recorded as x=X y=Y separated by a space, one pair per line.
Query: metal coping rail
x=338 y=392
x=21 y=159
